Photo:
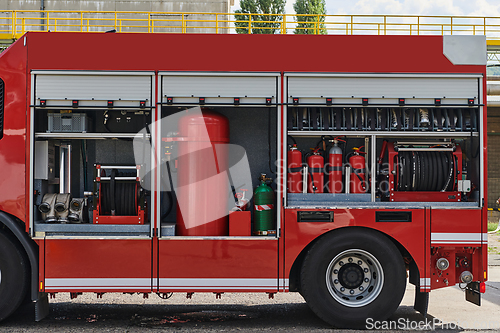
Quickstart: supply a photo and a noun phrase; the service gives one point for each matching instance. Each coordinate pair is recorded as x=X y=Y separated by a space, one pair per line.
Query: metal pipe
x=65 y=168
x=42 y=14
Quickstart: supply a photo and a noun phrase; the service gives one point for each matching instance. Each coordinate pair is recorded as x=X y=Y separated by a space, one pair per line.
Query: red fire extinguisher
x=358 y=176
x=295 y=184
x=316 y=164
x=335 y=167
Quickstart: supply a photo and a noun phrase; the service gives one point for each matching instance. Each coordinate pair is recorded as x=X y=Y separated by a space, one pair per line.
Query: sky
x=407 y=7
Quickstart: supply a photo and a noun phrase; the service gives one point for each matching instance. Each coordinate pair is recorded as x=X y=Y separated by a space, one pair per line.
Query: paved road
x=238 y=312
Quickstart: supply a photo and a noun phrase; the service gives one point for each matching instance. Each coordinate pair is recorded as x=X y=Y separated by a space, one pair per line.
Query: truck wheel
x=13 y=275
x=352 y=275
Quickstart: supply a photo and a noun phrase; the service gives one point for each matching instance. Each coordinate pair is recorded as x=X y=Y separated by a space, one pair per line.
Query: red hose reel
x=424 y=171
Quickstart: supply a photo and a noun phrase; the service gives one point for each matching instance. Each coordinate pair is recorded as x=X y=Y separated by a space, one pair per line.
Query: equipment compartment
x=90 y=130
x=224 y=150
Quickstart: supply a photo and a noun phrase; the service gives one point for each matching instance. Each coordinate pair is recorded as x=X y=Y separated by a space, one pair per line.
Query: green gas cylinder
x=263 y=217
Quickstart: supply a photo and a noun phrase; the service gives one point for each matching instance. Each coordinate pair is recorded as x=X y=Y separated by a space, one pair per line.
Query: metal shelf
x=386 y=134
x=43 y=135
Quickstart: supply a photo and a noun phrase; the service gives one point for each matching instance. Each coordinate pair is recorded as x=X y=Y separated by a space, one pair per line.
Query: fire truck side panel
x=462 y=221
x=119 y=55
x=300 y=234
x=218 y=265
x=12 y=145
x=79 y=265
x=463 y=247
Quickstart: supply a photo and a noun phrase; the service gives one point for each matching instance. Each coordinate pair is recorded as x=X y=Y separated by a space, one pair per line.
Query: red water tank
x=295 y=184
x=315 y=179
x=358 y=183
x=202 y=185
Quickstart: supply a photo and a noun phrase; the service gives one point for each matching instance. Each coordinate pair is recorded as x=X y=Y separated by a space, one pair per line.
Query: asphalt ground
x=448 y=312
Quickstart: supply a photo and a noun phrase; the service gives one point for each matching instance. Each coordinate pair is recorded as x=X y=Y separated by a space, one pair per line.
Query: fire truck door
x=196 y=253
x=88 y=121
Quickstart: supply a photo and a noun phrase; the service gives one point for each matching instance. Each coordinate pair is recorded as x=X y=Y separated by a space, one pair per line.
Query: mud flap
x=41 y=306
x=421 y=303
x=472 y=293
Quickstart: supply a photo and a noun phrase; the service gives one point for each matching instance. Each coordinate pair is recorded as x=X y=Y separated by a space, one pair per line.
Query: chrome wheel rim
x=354 y=278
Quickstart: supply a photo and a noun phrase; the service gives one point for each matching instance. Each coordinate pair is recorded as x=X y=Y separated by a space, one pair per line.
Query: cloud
x=404 y=7
x=486 y=8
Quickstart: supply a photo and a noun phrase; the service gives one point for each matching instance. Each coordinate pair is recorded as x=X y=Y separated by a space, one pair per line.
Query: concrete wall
x=209 y=6
x=170 y=23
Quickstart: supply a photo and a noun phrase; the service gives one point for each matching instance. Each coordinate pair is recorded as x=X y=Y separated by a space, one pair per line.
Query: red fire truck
x=127 y=163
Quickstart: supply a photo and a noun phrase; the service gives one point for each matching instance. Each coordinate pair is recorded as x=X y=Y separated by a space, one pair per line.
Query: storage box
x=68 y=122
x=240 y=223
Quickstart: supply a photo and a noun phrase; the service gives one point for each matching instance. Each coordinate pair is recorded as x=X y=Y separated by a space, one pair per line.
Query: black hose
x=170 y=193
x=432 y=170
x=414 y=170
x=112 y=192
x=450 y=173
x=293 y=139
x=84 y=164
x=408 y=169
x=428 y=170
x=312 y=180
x=419 y=171
x=423 y=168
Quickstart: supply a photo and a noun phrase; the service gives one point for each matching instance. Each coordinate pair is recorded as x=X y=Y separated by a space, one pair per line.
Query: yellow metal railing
x=14 y=24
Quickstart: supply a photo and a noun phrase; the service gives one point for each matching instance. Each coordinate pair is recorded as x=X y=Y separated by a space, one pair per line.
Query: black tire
x=13 y=275
x=321 y=288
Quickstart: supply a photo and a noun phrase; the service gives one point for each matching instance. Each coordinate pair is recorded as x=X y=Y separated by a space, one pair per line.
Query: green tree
x=309 y=25
x=261 y=24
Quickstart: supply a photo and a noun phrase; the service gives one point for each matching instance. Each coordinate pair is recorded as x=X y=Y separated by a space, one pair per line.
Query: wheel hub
x=354 y=278
x=351 y=276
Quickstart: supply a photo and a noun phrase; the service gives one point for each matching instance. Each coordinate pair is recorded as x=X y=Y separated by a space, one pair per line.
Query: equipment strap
x=314 y=119
x=316 y=170
x=359 y=119
x=294 y=170
x=334 y=168
x=338 y=119
x=326 y=125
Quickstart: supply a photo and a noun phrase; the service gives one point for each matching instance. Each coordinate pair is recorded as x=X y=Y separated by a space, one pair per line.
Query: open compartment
x=213 y=159
x=353 y=163
x=91 y=154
